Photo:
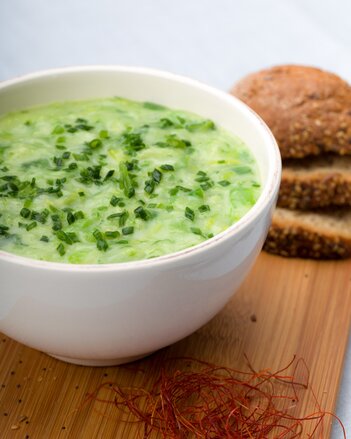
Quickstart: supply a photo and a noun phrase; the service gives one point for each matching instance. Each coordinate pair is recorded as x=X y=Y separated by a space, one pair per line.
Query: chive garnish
x=109 y=174
x=78 y=215
x=72 y=166
x=4 y=230
x=125 y=181
x=115 y=200
x=44 y=238
x=66 y=155
x=25 y=213
x=167 y=167
x=69 y=238
x=31 y=226
x=204 y=208
x=128 y=230
x=189 y=213
x=112 y=234
x=123 y=216
x=70 y=218
x=95 y=143
x=61 y=249
x=142 y=213
x=156 y=175
x=224 y=183
x=101 y=245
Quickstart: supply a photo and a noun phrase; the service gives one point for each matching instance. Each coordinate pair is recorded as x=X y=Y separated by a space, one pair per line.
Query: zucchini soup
x=114 y=180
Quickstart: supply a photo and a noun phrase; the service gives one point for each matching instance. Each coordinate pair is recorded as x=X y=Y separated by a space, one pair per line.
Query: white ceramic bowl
x=114 y=313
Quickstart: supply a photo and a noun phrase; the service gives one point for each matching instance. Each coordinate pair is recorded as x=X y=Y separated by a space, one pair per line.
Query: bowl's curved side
x=105 y=318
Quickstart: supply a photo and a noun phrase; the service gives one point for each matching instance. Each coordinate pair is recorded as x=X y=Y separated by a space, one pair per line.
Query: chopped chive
x=72 y=166
x=102 y=245
x=156 y=176
x=167 y=167
x=66 y=155
x=97 y=234
x=95 y=143
x=81 y=194
x=189 y=213
x=69 y=238
x=61 y=249
x=125 y=181
x=78 y=215
x=114 y=200
x=3 y=230
x=109 y=174
x=31 y=226
x=206 y=185
x=197 y=231
x=25 y=213
x=204 y=208
x=44 y=238
x=112 y=234
x=149 y=186
x=142 y=213
x=128 y=230
x=224 y=183
x=70 y=218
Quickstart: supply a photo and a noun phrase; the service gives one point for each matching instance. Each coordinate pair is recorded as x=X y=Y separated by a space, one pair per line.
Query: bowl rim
x=267 y=195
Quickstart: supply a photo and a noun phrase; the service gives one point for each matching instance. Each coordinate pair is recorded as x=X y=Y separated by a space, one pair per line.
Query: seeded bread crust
x=307 y=109
x=309 y=235
x=316 y=183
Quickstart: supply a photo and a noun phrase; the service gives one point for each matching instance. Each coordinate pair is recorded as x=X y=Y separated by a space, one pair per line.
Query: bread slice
x=316 y=183
x=307 y=109
x=322 y=235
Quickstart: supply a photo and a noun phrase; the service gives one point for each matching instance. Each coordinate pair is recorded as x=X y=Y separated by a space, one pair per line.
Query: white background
x=216 y=42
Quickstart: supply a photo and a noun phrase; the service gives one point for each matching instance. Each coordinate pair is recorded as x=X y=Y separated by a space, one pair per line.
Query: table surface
x=216 y=42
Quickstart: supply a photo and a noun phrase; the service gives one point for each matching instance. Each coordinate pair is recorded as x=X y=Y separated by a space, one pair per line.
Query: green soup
x=113 y=180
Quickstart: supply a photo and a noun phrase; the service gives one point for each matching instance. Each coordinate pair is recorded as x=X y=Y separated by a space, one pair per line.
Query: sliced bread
x=322 y=235
x=316 y=182
x=307 y=109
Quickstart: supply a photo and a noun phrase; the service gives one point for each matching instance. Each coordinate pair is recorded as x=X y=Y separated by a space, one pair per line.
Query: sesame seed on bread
x=307 y=109
x=316 y=182
x=317 y=235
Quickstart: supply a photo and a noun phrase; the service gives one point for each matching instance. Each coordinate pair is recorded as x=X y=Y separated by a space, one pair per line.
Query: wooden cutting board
x=285 y=307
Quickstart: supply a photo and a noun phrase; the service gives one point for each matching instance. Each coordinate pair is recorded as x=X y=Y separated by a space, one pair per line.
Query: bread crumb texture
x=317 y=235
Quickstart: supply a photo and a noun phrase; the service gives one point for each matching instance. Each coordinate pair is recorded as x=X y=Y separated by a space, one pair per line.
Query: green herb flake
x=25 y=213
x=31 y=226
x=111 y=234
x=204 y=208
x=61 y=249
x=101 y=245
x=189 y=213
x=128 y=230
x=167 y=167
x=95 y=143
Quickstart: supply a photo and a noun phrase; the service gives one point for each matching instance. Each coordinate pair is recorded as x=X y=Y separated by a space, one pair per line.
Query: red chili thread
x=216 y=402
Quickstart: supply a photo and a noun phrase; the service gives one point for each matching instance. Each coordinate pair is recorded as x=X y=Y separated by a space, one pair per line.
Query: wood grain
x=285 y=307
